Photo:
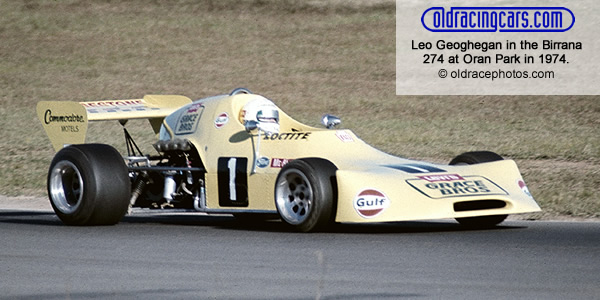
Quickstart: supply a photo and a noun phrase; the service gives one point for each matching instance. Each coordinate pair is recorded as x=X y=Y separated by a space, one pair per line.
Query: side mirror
x=330 y=121
x=250 y=126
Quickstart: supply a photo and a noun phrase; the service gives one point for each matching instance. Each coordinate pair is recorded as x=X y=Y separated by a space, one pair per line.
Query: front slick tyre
x=89 y=185
x=471 y=158
x=305 y=194
x=481 y=222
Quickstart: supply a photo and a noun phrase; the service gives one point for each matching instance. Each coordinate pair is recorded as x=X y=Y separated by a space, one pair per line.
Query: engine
x=173 y=179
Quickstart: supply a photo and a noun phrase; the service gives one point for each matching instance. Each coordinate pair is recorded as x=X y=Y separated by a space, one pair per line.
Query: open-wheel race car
x=238 y=153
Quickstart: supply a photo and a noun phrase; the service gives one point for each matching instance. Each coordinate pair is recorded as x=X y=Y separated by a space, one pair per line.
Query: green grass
x=310 y=57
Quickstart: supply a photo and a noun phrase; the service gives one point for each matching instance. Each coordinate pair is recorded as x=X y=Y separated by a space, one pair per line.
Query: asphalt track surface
x=177 y=256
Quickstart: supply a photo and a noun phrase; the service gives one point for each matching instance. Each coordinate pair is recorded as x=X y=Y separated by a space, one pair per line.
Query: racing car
x=239 y=154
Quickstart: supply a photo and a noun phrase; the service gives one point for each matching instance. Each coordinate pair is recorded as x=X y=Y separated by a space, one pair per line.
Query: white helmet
x=264 y=112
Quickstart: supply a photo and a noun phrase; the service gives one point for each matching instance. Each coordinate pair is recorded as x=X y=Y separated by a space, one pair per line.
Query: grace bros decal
x=454 y=185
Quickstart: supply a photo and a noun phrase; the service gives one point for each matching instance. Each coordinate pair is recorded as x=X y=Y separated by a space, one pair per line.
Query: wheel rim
x=294 y=196
x=66 y=187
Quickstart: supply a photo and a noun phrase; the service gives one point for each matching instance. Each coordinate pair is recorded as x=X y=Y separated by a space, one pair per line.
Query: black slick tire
x=476 y=157
x=306 y=194
x=88 y=184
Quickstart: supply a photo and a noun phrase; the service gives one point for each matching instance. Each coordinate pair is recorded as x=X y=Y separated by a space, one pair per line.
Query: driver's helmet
x=264 y=112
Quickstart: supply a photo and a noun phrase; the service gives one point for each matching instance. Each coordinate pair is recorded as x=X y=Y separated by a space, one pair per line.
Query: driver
x=264 y=112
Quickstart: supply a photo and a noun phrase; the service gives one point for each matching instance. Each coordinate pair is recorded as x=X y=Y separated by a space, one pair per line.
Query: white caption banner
x=497 y=47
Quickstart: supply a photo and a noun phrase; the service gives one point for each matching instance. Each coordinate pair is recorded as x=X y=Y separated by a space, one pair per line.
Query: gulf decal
x=221 y=120
x=524 y=188
x=369 y=203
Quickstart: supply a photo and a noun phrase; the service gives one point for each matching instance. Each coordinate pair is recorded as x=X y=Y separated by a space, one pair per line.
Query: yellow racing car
x=238 y=153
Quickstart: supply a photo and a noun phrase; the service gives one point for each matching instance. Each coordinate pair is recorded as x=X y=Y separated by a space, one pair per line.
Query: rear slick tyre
x=89 y=185
x=471 y=158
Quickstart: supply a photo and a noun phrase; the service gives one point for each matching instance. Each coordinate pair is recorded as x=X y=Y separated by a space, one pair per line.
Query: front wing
x=386 y=193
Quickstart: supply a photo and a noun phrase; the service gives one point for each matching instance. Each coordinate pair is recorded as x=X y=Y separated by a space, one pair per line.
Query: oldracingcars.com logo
x=498 y=19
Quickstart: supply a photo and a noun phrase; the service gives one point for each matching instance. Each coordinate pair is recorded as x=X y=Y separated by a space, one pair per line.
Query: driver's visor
x=268 y=116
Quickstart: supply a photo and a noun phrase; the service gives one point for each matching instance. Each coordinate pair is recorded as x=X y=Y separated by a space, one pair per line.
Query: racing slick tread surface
x=321 y=176
x=471 y=158
x=106 y=184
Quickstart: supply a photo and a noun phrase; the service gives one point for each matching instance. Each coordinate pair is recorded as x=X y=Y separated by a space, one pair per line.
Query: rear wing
x=66 y=122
